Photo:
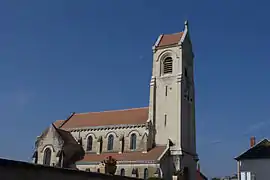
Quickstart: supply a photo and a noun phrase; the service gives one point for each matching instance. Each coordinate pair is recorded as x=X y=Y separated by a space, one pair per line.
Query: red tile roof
x=200 y=176
x=151 y=155
x=170 y=39
x=128 y=116
x=58 y=123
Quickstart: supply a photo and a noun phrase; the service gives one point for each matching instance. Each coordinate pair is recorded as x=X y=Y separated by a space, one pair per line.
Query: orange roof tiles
x=58 y=123
x=170 y=39
x=151 y=155
x=128 y=116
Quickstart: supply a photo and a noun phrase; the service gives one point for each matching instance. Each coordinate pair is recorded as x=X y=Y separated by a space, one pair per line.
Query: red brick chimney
x=252 y=141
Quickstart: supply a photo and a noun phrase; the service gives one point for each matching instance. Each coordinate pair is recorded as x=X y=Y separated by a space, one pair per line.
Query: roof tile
x=170 y=39
x=151 y=155
x=128 y=116
x=58 y=123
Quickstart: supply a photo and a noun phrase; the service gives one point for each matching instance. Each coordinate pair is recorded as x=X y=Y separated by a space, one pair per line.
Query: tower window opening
x=186 y=74
x=166 y=91
x=165 y=120
x=167 y=65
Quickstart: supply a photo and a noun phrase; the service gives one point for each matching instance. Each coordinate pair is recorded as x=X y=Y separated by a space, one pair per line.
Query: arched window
x=133 y=141
x=123 y=145
x=47 y=156
x=145 y=174
x=122 y=173
x=100 y=146
x=167 y=65
x=89 y=143
x=98 y=170
x=158 y=173
x=110 y=143
x=135 y=172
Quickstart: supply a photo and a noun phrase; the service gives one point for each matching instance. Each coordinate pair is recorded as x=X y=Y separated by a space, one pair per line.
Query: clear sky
x=60 y=56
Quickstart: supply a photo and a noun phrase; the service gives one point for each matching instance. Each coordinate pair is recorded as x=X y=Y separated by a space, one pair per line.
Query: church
x=154 y=141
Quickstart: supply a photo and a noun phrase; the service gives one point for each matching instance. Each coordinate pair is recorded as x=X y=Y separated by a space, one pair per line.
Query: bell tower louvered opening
x=167 y=65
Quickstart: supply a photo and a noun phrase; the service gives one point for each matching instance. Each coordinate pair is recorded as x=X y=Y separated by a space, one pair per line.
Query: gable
x=49 y=138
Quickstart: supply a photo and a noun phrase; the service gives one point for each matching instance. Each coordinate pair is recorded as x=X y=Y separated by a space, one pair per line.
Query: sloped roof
x=66 y=136
x=72 y=150
x=200 y=176
x=170 y=39
x=58 y=123
x=151 y=155
x=106 y=118
x=259 y=151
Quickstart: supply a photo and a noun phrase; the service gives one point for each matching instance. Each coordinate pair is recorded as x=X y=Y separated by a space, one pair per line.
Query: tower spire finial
x=186 y=24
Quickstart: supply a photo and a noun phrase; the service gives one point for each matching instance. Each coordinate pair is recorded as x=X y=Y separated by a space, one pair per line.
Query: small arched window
x=135 y=172
x=158 y=173
x=98 y=170
x=133 y=139
x=123 y=145
x=110 y=142
x=167 y=65
x=145 y=174
x=89 y=143
x=122 y=173
x=100 y=146
x=47 y=156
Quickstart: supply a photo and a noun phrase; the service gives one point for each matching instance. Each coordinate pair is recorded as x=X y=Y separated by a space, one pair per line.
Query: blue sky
x=61 y=56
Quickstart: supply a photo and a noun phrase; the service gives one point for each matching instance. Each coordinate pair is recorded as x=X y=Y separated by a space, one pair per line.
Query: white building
x=254 y=163
x=158 y=140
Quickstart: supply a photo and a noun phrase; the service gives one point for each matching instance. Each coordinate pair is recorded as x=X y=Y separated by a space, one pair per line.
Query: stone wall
x=16 y=170
x=117 y=133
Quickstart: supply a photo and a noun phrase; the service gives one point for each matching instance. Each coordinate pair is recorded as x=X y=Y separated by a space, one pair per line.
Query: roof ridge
x=65 y=121
x=117 y=110
x=174 y=33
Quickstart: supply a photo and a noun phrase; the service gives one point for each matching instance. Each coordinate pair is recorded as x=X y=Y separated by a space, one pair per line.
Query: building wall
x=118 y=133
x=152 y=169
x=15 y=170
x=167 y=105
x=51 y=140
x=260 y=167
x=174 y=102
x=188 y=161
x=166 y=166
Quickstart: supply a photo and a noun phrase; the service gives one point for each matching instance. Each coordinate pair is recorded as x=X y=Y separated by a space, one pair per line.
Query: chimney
x=252 y=141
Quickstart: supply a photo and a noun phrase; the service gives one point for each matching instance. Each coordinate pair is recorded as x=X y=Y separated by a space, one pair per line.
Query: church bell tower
x=172 y=100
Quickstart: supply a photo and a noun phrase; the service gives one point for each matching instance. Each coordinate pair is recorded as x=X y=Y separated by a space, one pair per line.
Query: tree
x=110 y=165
